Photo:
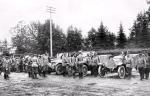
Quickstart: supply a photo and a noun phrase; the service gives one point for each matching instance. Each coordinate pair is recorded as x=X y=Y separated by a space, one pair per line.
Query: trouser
x=129 y=70
x=6 y=73
x=21 y=67
x=1 y=69
x=80 y=75
x=17 y=68
x=141 y=71
x=74 y=71
x=26 y=68
x=34 y=72
x=146 y=73
x=94 y=70
x=30 y=71
x=42 y=70
x=80 y=70
x=64 y=70
x=13 y=68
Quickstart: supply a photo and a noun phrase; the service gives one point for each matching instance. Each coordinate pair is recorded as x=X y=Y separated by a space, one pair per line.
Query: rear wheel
x=84 y=70
x=121 y=72
x=59 y=69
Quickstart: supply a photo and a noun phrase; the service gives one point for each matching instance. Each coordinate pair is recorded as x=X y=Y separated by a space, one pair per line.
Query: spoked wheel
x=59 y=69
x=101 y=71
x=84 y=70
x=121 y=72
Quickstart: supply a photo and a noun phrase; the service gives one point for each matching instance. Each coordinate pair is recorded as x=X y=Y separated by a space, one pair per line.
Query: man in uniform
x=40 y=62
x=13 y=64
x=34 y=67
x=29 y=66
x=95 y=59
x=6 y=67
x=147 y=68
x=1 y=65
x=80 y=65
x=45 y=64
x=141 y=65
x=64 y=67
x=128 y=63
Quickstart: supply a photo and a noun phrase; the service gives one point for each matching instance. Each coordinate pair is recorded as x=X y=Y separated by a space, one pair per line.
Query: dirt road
x=20 y=85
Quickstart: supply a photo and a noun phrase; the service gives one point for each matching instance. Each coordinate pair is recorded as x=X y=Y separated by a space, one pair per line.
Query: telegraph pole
x=51 y=10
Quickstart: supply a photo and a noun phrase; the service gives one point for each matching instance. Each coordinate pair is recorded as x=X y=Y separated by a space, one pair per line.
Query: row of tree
x=34 y=37
x=140 y=31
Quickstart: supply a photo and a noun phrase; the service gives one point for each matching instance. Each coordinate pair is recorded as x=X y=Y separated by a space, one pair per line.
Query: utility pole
x=51 y=10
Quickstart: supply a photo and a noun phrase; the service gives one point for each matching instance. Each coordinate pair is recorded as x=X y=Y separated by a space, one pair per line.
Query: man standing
x=29 y=68
x=80 y=65
x=34 y=67
x=128 y=63
x=45 y=64
x=147 y=68
x=6 y=66
x=141 y=65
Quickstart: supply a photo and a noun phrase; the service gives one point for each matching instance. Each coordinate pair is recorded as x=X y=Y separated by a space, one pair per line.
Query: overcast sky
x=83 y=14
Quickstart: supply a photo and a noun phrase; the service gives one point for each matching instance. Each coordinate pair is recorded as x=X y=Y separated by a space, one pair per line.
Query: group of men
x=38 y=64
x=72 y=65
x=31 y=64
x=144 y=65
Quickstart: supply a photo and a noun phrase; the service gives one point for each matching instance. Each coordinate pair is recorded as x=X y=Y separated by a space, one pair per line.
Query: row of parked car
x=105 y=63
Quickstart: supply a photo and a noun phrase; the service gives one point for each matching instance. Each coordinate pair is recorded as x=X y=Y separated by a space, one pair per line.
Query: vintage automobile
x=56 y=64
x=73 y=62
x=70 y=60
x=89 y=61
x=116 y=64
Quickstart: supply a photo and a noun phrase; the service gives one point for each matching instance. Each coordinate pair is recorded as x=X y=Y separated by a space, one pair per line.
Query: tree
x=140 y=33
x=20 y=38
x=121 y=38
x=59 y=38
x=111 y=40
x=34 y=38
x=145 y=35
x=132 y=40
x=74 y=39
x=91 y=38
x=101 y=40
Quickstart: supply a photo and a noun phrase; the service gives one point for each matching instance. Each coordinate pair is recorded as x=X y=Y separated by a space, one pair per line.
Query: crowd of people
x=38 y=64
x=143 y=65
x=32 y=64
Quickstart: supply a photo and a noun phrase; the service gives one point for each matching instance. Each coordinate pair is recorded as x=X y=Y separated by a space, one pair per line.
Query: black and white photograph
x=74 y=47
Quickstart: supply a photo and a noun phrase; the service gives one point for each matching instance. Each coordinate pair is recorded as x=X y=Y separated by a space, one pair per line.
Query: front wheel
x=59 y=69
x=121 y=72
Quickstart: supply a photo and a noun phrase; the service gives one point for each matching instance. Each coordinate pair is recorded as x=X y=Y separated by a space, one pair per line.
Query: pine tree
x=111 y=40
x=91 y=38
x=59 y=38
x=121 y=39
x=74 y=39
x=132 y=40
x=140 y=34
x=101 y=38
